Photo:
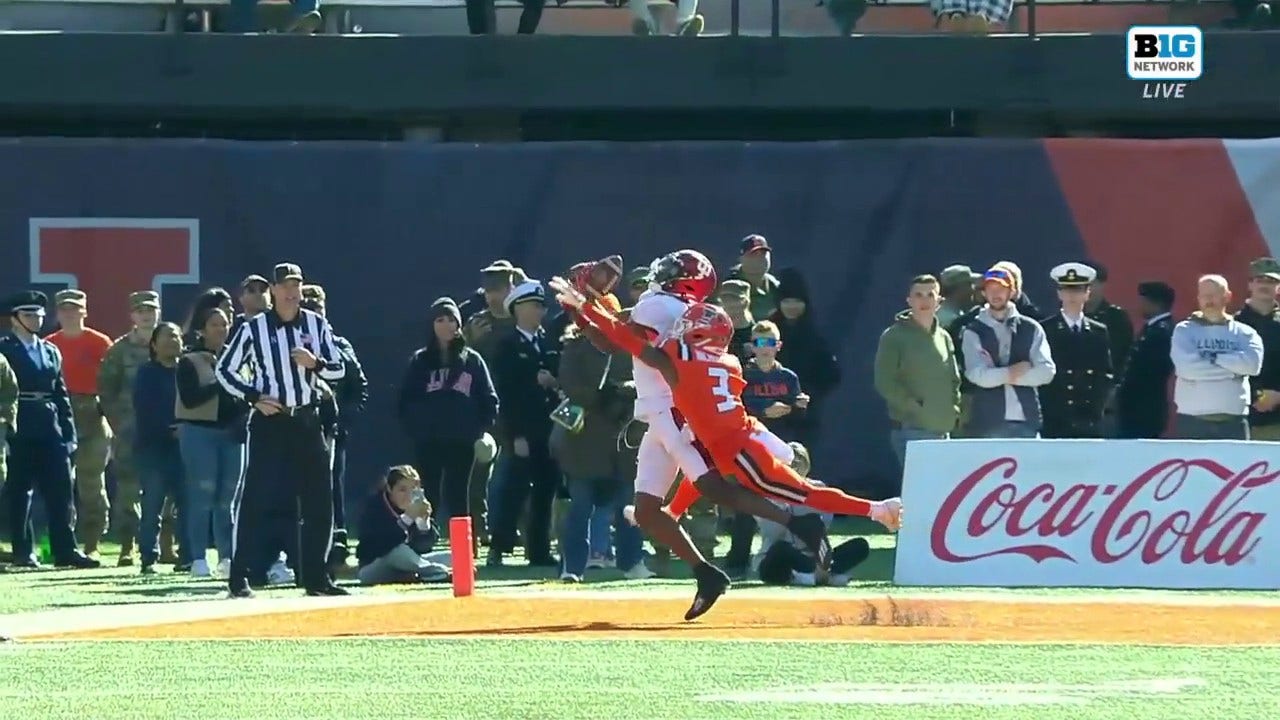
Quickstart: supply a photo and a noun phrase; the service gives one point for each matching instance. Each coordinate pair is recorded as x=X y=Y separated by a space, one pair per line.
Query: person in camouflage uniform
x=82 y=350
x=482 y=329
x=755 y=261
x=115 y=391
x=8 y=415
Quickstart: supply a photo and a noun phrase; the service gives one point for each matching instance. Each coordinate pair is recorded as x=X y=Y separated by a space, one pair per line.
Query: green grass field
x=661 y=678
x=654 y=679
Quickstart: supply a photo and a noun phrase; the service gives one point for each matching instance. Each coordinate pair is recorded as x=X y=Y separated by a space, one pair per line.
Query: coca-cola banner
x=1091 y=513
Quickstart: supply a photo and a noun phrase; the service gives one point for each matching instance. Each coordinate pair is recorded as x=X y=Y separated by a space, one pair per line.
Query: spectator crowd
x=973 y=357
x=513 y=417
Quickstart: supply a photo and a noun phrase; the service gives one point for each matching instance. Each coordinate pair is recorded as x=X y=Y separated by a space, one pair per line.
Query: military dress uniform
x=40 y=450
x=1073 y=403
x=1142 y=398
x=525 y=412
x=8 y=411
x=1119 y=326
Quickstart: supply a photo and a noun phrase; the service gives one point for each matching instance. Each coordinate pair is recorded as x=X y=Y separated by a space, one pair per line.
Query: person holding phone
x=397 y=535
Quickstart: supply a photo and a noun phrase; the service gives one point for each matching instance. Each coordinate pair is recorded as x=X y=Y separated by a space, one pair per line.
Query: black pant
x=287 y=459
x=741 y=535
x=42 y=466
x=537 y=478
x=340 y=486
x=445 y=466
x=482 y=18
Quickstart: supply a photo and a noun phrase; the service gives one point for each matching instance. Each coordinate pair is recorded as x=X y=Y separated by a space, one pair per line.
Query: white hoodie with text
x=1213 y=363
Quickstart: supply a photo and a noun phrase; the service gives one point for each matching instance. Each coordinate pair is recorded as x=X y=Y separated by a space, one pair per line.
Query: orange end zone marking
x=855 y=619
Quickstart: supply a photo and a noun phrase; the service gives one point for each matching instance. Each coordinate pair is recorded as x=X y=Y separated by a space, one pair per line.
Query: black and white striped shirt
x=255 y=362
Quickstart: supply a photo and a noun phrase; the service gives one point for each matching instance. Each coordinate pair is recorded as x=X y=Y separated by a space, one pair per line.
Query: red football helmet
x=706 y=327
x=687 y=274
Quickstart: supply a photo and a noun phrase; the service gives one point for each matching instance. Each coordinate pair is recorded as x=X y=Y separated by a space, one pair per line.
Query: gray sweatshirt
x=1213 y=363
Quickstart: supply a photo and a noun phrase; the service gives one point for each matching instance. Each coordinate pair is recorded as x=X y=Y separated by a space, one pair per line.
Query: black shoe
x=182 y=567
x=79 y=561
x=813 y=533
x=29 y=562
x=848 y=555
x=712 y=583
x=337 y=559
x=239 y=589
x=327 y=591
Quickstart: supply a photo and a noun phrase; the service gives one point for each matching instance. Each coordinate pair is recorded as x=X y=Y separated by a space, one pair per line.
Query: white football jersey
x=658 y=312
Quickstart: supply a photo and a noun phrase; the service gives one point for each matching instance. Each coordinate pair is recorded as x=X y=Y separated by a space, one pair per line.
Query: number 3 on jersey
x=721 y=389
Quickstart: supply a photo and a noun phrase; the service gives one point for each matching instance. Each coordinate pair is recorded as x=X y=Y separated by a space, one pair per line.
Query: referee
x=286 y=350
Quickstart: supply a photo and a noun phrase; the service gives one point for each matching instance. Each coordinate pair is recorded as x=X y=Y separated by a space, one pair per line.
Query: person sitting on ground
x=784 y=560
x=397 y=535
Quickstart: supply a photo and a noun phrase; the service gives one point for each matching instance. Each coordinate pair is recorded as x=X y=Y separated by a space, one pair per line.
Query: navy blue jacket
x=44 y=408
x=381 y=531
x=155 y=390
x=449 y=399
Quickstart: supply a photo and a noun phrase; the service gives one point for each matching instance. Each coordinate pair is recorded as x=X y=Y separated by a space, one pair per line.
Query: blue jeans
x=497 y=482
x=160 y=473
x=1011 y=430
x=586 y=496
x=213 y=461
x=901 y=436
x=600 y=536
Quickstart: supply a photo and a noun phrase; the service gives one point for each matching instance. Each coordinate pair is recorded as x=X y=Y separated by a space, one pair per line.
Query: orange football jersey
x=708 y=394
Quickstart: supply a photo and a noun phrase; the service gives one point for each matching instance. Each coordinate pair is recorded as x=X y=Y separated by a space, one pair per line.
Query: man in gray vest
x=1007 y=358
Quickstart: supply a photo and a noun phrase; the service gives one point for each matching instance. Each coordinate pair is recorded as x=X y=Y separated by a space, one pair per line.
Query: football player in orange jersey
x=648 y=511
x=707 y=383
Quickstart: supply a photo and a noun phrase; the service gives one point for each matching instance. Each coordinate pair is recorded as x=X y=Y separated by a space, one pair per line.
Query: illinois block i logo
x=1165 y=58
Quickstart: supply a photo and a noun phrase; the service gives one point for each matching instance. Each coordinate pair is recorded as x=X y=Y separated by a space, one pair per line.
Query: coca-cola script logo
x=1145 y=516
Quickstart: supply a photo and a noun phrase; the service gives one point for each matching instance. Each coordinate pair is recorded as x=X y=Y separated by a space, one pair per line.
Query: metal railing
x=775 y=18
x=180 y=8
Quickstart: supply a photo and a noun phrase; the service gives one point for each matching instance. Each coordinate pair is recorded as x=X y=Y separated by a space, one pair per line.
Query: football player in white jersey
x=668 y=447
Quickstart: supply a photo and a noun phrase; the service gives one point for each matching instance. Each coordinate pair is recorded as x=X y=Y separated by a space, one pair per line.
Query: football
x=597 y=278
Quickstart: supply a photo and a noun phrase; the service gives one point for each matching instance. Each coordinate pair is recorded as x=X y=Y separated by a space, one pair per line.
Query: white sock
x=685 y=10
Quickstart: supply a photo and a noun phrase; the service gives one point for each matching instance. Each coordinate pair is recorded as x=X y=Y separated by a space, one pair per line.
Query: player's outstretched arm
x=614 y=330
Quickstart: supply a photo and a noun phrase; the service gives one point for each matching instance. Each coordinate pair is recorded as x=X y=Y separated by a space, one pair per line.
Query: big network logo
x=1165 y=57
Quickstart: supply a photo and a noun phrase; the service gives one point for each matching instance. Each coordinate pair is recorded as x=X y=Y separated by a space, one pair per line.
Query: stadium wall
x=388 y=227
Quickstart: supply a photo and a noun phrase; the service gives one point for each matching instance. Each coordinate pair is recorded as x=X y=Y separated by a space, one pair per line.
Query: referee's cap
x=527 y=291
x=285 y=271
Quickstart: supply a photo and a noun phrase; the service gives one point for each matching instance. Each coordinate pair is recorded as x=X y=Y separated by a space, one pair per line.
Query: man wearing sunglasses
x=1007 y=358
